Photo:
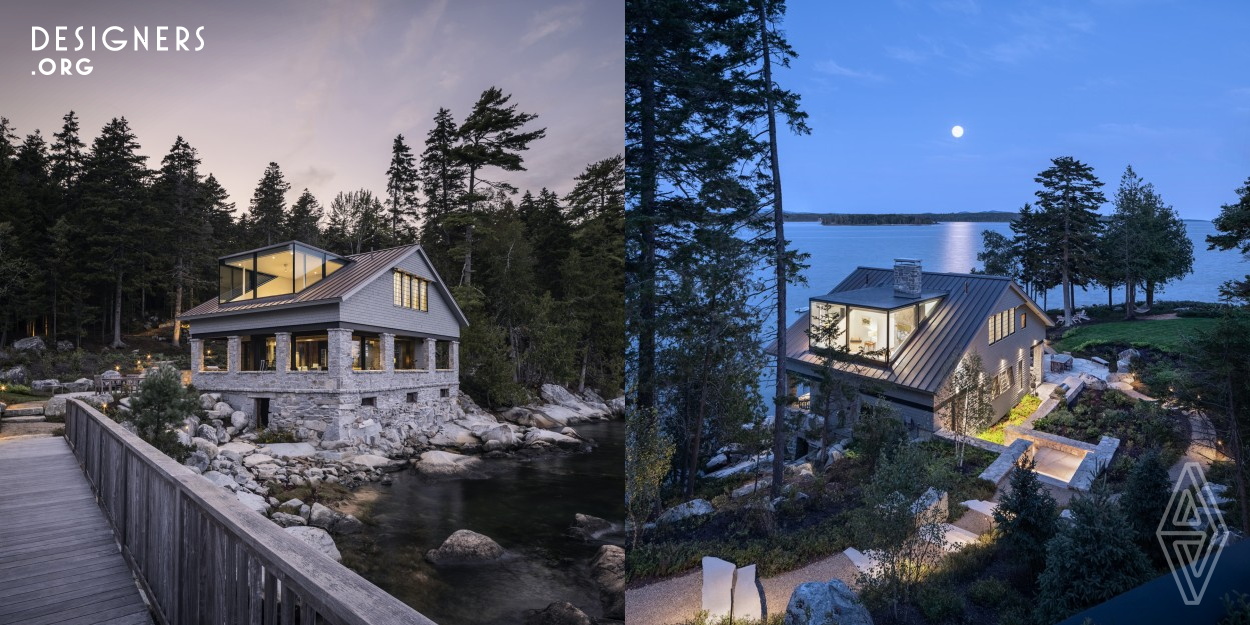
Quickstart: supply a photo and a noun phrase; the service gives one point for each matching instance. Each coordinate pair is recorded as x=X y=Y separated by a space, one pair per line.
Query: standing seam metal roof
x=925 y=361
x=362 y=269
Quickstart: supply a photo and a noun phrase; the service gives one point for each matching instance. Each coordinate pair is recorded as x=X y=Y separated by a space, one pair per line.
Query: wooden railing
x=202 y=556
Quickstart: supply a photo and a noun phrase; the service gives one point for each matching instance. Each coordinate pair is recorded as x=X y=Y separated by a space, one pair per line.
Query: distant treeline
x=910 y=219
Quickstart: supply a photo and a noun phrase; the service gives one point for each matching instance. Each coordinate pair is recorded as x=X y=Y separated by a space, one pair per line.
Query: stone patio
x=1056 y=464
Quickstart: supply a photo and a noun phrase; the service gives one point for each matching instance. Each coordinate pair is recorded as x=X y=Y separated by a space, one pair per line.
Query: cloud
x=557 y=19
x=831 y=68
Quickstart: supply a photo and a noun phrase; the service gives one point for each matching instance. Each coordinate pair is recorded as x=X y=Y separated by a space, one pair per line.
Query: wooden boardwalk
x=59 y=562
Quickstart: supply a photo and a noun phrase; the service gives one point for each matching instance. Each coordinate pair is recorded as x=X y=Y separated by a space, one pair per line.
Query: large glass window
x=828 y=324
x=310 y=353
x=278 y=270
x=409 y=353
x=868 y=333
x=902 y=327
x=366 y=352
x=257 y=352
x=442 y=355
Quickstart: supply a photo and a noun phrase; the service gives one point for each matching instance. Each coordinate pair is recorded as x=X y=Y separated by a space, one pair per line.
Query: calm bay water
x=953 y=246
x=526 y=506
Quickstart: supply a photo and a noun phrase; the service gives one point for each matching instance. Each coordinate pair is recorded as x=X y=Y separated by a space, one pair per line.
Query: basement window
x=369 y=401
x=412 y=397
x=444 y=392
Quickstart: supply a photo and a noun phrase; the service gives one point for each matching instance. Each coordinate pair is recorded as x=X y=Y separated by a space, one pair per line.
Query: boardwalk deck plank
x=59 y=561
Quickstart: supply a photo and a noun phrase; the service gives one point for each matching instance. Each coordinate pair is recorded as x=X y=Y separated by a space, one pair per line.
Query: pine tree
x=490 y=136
x=593 y=274
x=550 y=236
x=268 y=207
x=67 y=155
x=1025 y=518
x=998 y=256
x=1145 y=499
x=1068 y=202
x=442 y=180
x=179 y=193
x=304 y=221
x=160 y=405
x=114 y=219
x=401 y=191
x=1090 y=560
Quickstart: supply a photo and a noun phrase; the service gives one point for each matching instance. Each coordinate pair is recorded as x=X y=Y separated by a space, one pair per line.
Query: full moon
x=957 y=131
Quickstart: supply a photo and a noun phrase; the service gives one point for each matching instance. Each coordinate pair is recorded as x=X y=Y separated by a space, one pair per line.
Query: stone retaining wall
x=1044 y=439
x=1001 y=468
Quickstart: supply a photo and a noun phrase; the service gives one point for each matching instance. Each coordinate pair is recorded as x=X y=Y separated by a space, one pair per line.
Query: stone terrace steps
x=26 y=419
x=28 y=409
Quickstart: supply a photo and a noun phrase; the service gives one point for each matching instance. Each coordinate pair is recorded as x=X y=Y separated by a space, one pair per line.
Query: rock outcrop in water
x=558 y=613
x=608 y=571
x=465 y=547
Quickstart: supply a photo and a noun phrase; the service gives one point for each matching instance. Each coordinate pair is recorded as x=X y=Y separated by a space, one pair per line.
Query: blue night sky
x=1164 y=86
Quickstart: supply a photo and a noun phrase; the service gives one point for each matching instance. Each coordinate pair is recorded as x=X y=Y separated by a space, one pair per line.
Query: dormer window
x=872 y=324
x=272 y=271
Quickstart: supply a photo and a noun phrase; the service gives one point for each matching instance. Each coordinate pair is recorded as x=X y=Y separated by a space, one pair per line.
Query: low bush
x=267 y=436
x=939 y=602
x=324 y=493
x=1140 y=425
x=16 y=389
x=987 y=592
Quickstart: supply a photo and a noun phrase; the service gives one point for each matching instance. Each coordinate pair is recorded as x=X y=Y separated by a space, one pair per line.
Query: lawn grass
x=19 y=398
x=1168 y=335
x=997 y=433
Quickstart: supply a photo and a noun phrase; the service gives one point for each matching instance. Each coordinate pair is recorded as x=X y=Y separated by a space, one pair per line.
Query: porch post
x=388 y=352
x=282 y=352
x=232 y=354
x=197 y=355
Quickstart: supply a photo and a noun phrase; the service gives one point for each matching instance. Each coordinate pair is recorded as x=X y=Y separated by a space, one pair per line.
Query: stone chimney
x=907 y=277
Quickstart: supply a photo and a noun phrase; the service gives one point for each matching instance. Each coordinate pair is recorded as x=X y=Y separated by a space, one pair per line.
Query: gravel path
x=677 y=599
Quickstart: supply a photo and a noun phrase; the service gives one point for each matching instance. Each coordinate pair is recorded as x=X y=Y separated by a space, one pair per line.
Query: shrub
x=1089 y=560
x=1026 y=516
x=987 y=592
x=16 y=389
x=58 y=432
x=1235 y=612
x=267 y=436
x=939 y=602
x=162 y=403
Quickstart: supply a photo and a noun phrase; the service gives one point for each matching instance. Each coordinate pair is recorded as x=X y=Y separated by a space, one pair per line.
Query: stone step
x=859 y=559
x=958 y=537
x=978 y=505
x=26 y=419
x=28 y=409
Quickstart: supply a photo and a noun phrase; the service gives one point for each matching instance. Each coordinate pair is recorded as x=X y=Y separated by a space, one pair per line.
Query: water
x=953 y=246
x=525 y=506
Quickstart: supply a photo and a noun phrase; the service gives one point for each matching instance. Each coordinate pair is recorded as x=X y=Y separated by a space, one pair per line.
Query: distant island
x=905 y=219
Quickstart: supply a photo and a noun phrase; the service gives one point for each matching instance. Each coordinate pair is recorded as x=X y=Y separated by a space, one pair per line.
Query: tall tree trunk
x=697 y=437
x=581 y=379
x=1150 y=294
x=1109 y=303
x=178 y=315
x=1130 y=300
x=466 y=272
x=782 y=389
x=117 y=314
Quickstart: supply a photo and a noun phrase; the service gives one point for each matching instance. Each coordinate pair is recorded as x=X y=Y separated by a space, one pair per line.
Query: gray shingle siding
x=374 y=305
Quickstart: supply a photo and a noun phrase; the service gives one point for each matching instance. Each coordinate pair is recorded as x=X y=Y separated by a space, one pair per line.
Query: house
x=907 y=329
x=332 y=348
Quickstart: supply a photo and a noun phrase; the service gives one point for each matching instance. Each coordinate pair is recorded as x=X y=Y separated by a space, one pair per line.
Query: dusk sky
x=1164 y=86
x=322 y=88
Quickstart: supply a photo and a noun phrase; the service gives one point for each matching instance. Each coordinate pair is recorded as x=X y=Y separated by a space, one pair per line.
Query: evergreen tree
x=356 y=223
x=67 y=154
x=114 y=222
x=442 y=178
x=1038 y=267
x=550 y=236
x=178 y=192
x=160 y=405
x=1025 y=518
x=304 y=221
x=1144 y=501
x=593 y=274
x=268 y=207
x=1233 y=224
x=490 y=136
x=1068 y=203
x=998 y=256
x=402 y=183
x=1090 y=560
